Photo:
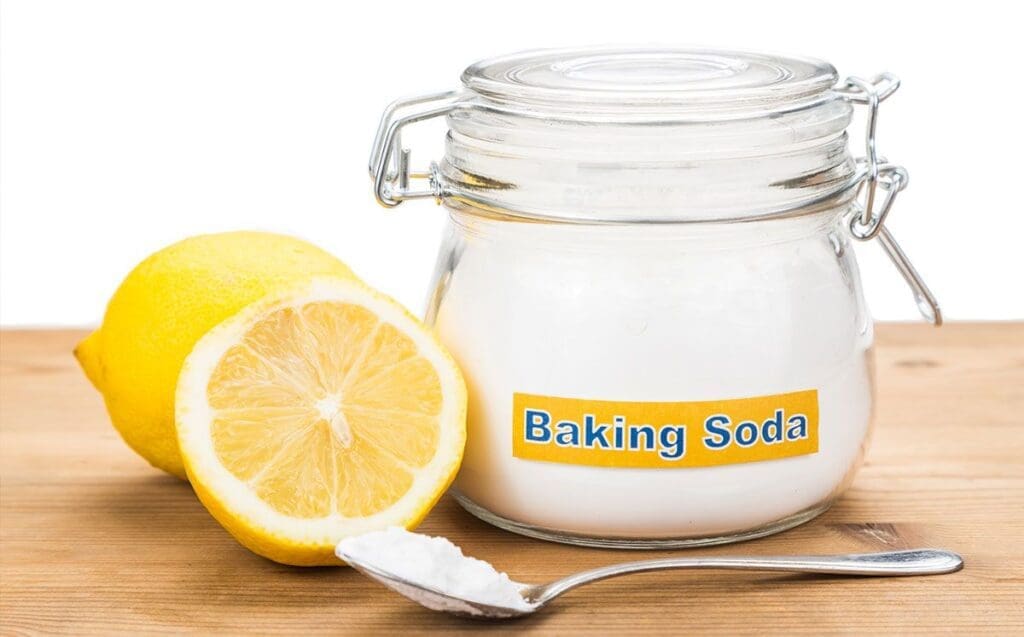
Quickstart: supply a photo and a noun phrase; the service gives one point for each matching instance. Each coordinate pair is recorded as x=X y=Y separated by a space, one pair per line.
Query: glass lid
x=690 y=84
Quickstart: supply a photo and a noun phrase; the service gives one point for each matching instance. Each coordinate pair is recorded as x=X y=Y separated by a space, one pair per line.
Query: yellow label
x=607 y=433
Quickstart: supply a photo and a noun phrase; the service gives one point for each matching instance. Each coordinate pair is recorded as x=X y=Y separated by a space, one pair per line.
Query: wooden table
x=92 y=540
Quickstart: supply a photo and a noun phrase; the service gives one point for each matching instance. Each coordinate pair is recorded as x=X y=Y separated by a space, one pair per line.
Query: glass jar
x=648 y=281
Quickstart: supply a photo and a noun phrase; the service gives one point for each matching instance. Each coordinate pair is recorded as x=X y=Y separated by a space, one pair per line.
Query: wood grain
x=92 y=540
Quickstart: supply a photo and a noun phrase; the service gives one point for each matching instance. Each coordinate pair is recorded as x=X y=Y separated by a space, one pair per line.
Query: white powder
x=436 y=563
x=677 y=314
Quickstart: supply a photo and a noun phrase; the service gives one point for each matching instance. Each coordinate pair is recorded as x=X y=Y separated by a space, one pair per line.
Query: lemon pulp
x=331 y=407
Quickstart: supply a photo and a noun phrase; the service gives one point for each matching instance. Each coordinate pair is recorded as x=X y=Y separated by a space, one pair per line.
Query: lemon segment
x=320 y=412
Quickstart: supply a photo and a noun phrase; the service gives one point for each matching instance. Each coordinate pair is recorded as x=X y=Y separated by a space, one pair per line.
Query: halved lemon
x=320 y=412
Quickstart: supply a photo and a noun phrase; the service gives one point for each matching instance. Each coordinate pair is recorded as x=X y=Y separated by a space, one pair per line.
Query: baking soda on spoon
x=433 y=572
x=434 y=563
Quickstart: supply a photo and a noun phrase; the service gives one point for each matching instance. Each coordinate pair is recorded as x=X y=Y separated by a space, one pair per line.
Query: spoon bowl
x=435 y=599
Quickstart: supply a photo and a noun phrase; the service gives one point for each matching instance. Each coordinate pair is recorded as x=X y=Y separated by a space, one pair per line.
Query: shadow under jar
x=648 y=281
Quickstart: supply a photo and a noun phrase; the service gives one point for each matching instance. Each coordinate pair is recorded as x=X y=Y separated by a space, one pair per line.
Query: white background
x=130 y=125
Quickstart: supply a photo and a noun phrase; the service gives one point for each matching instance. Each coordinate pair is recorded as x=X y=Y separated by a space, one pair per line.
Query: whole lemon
x=166 y=304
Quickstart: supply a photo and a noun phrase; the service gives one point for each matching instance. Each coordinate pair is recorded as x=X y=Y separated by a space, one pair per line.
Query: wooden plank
x=92 y=540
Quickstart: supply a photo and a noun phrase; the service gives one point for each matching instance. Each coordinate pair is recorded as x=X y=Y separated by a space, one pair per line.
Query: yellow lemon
x=164 y=306
x=320 y=412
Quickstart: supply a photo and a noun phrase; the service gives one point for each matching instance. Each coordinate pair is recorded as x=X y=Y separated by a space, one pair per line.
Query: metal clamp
x=389 y=162
x=874 y=171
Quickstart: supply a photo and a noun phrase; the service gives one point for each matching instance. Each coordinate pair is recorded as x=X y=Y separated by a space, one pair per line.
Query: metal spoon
x=537 y=596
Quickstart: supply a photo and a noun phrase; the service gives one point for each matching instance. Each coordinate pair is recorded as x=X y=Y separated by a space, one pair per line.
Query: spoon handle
x=891 y=563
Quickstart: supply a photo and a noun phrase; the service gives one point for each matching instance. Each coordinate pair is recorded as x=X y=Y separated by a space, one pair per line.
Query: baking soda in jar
x=649 y=283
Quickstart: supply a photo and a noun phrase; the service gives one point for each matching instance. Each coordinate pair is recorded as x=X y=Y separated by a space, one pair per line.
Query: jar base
x=563 y=537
